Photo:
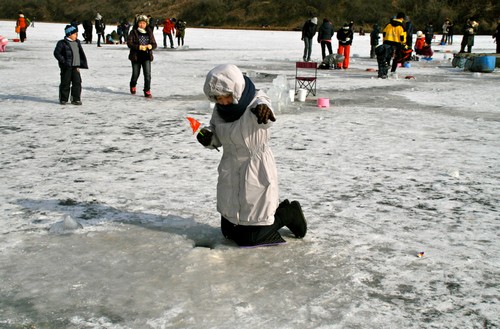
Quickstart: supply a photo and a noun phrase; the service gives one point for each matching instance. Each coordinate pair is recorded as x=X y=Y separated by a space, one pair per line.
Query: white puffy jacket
x=247 y=188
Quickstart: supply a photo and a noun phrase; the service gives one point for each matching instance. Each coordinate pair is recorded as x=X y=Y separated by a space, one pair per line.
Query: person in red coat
x=168 y=30
x=421 y=47
x=21 y=26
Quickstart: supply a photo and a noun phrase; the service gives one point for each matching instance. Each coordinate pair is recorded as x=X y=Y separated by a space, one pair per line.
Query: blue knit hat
x=70 y=29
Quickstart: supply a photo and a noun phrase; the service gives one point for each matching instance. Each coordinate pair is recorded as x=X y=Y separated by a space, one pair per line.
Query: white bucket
x=301 y=95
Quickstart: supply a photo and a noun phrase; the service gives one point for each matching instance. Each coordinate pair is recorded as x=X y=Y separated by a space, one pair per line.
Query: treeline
x=273 y=14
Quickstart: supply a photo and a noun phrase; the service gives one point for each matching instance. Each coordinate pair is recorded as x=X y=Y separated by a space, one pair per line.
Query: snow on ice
x=391 y=169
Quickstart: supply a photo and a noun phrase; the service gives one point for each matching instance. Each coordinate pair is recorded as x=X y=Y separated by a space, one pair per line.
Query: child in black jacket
x=70 y=56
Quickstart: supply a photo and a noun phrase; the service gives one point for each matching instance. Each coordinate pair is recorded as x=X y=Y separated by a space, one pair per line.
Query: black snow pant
x=384 y=55
x=169 y=35
x=247 y=236
x=71 y=82
x=327 y=45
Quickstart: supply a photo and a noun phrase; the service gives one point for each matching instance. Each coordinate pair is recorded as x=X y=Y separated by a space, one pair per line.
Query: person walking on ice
x=308 y=32
x=247 y=188
x=141 y=42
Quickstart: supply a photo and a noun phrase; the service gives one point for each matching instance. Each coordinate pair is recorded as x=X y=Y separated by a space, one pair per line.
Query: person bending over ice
x=421 y=47
x=247 y=188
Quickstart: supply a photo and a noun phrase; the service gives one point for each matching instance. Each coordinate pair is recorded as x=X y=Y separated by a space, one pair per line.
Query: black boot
x=292 y=216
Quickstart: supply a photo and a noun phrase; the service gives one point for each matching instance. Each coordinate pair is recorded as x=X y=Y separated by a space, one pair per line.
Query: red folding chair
x=306 y=74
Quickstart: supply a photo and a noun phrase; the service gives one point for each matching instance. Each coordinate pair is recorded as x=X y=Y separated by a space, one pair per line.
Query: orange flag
x=195 y=124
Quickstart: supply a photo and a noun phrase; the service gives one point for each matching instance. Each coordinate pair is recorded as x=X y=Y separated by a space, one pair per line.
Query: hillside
x=275 y=14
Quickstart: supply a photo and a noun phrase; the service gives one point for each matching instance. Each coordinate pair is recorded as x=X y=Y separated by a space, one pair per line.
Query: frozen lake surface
x=107 y=211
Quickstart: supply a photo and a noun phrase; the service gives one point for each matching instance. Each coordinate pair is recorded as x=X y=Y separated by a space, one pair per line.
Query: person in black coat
x=409 y=32
x=374 y=38
x=325 y=34
x=87 y=31
x=429 y=33
x=141 y=42
x=70 y=56
x=451 y=31
x=100 y=27
x=468 y=37
x=496 y=36
x=345 y=35
x=308 y=32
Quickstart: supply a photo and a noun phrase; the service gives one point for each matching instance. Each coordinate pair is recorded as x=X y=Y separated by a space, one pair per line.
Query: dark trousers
x=22 y=35
x=325 y=45
x=384 y=55
x=467 y=41
x=71 y=81
x=307 y=49
x=165 y=40
x=99 y=36
x=398 y=57
x=180 y=40
x=136 y=71
x=252 y=235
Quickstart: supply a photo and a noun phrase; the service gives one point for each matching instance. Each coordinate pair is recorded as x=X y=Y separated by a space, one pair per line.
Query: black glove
x=263 y=113
x=205 y=137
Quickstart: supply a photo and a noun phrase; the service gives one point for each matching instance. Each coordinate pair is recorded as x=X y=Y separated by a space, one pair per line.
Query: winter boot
x=292 y=216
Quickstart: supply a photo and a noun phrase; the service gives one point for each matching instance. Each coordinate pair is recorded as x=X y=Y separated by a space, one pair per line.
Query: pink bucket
x=323 y=102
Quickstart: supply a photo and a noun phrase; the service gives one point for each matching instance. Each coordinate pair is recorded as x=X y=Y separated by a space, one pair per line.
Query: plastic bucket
x=323 y=102
x=301 y=95
x=407 y=64
x=482 y=64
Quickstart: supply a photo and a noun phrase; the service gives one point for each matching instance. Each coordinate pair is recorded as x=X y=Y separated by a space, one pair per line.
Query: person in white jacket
x=247 y=188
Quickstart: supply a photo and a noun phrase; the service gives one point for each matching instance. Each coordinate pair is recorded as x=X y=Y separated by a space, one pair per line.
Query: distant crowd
x=396 y=48
x=172 y=27
x=397 y=41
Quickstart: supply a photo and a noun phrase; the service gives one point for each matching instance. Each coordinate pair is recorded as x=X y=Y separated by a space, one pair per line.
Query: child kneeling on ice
x=247 y=188
x=421 y=47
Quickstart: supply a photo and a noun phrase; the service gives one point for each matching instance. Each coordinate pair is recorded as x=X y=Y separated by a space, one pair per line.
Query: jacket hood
x=225 y=79
x=397 y=22
x=314 y=20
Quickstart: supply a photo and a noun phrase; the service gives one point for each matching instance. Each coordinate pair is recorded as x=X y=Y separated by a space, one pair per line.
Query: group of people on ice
x=140 y=40
x=396 y=47
x=325 y=31
x=172 y=27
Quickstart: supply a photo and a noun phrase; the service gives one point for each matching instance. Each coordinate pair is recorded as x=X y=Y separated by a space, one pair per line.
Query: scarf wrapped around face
x=233 y=112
